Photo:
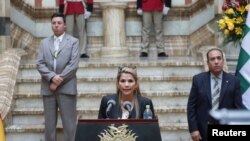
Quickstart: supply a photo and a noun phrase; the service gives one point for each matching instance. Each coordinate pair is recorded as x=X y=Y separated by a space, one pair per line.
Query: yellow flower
x=226 y=32
x=233 y=21
x=238 y=31
x=239 y=20
x=230 y=26
x=221 y=24
x=230 y=23
x=241 y=9
x=229 y=11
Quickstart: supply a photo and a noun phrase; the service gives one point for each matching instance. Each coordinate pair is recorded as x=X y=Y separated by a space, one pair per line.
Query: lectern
x=118 y=130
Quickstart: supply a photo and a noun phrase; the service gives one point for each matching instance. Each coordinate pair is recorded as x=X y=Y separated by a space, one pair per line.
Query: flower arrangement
x=233 y=20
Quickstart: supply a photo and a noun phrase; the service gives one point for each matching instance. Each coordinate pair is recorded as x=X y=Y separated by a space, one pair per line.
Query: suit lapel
x=63 y=43
x=51 y=45
x=207 y=81
x=225 y=83
x=117 y=113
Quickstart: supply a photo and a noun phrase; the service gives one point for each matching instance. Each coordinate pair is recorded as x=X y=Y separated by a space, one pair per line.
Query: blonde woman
x=127 y=102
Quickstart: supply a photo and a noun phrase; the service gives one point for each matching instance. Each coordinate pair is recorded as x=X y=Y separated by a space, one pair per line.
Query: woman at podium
x=127 y=102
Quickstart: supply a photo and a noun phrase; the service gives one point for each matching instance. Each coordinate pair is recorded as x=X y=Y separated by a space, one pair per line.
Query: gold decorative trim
x=121 y=133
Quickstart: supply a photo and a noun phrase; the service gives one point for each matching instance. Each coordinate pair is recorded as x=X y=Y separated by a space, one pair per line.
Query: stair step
x=94 y=110
x=106 y=85
x=108 y=67
x=123 y=61
x=40 y=127
x=170 y=98
x=175 y=114
x=36 y=132
x=112 y=79
x=99 y=94
x=110 y=72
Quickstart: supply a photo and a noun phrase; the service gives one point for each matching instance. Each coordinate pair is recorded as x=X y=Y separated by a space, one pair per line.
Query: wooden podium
x=118 y=130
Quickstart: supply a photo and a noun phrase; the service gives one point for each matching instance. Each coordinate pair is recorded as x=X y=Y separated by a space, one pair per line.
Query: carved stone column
x=114 y=29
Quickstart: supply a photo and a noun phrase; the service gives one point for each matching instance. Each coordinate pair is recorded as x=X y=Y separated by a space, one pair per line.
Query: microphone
x=128 y=106
x=110 y=104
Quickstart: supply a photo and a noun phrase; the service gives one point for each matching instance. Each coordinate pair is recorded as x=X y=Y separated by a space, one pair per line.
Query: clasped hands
x=164 y=11
x=55 y=82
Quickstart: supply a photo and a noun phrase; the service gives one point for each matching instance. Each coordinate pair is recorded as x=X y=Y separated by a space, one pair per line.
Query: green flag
x=243 y=66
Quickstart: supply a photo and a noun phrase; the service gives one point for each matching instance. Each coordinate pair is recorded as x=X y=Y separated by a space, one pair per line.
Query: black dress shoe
x=144 y=54
x=162 y=54
x=84 y=56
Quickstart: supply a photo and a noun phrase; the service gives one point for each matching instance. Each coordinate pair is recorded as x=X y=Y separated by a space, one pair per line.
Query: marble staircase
x=166 y=81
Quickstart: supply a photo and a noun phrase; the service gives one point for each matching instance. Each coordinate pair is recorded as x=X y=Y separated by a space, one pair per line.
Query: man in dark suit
x=57 y=63
x=202 y=93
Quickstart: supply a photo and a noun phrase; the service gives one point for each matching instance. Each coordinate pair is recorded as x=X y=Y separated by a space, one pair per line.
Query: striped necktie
x=215 y=94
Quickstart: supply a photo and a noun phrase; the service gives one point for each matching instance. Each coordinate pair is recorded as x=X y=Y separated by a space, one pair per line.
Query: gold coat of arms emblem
x=120 y=133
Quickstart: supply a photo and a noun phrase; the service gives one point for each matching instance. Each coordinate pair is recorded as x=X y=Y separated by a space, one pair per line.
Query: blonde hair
x=130 y=70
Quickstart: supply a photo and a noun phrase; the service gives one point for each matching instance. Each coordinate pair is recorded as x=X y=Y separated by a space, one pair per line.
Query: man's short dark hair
x=57 y=14
x=218 y=49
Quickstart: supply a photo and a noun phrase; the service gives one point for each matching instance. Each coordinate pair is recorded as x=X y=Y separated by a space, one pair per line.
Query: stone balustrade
x=9 y=64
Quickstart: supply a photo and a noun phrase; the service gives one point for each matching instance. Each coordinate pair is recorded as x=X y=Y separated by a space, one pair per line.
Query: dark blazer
x=200 y=101
x=116 y=111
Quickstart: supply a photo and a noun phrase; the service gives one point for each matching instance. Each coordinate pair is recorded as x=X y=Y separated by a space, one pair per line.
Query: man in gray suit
x=57 y=63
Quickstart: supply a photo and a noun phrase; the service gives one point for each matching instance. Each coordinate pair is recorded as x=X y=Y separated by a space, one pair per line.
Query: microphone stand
x=129 y=116
x=107 y=114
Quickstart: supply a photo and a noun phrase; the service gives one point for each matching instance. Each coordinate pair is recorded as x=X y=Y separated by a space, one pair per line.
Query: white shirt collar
x=60 y=37
x=219 y=76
